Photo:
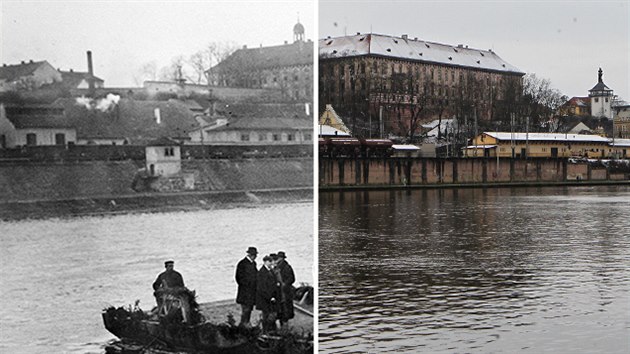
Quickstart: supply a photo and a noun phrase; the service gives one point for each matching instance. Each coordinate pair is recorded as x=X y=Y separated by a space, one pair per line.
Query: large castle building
x=287 y=68
x=389 y=86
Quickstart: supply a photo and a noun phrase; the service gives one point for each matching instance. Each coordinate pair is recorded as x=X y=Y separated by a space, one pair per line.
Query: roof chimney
x=405 y=37
x=90 y=73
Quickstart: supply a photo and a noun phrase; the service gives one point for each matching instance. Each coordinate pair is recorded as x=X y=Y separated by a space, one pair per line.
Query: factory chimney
x=90 y=74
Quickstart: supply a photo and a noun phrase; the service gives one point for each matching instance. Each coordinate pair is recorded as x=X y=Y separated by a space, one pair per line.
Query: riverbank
x=471 y=185
x=150 y=203
x=396 y=173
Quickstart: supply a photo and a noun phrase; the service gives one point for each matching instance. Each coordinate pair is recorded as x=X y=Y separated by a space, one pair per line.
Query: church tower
x=298 y=32
x=601 y=98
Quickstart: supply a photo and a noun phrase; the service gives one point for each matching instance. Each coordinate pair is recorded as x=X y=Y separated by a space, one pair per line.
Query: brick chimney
x=90 y=73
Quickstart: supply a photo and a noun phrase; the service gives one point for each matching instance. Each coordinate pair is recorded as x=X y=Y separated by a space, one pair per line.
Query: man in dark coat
x=169 y=278
x=246 y=273
x=284 y=269
x=267 y=289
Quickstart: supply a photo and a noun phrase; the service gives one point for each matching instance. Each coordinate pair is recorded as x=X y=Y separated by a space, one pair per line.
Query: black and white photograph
x=473 y=177
x=156 y=177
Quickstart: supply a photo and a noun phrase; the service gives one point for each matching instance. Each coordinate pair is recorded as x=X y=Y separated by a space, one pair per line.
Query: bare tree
x=540 y=100
x=175 y=71
x=147 y=72
x=199 y=63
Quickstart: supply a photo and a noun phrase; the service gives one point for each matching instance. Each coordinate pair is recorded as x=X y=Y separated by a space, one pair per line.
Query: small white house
x=163 y=157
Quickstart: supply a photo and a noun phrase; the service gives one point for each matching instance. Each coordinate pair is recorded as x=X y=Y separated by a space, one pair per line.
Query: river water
x=538 y=270
x=58 y=275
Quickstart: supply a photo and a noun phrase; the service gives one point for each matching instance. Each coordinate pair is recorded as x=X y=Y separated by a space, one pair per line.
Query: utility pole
x=527 y=137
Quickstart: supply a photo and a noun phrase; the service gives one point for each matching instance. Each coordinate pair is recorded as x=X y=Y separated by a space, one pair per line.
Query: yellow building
x=520 y=145
x=621 y=123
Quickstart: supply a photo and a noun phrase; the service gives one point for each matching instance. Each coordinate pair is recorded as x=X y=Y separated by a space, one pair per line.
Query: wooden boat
x=180 y=324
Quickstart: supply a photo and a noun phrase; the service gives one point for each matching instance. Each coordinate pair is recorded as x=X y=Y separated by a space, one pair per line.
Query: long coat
x=246 y=274
x=288 y=278
x=266 y=289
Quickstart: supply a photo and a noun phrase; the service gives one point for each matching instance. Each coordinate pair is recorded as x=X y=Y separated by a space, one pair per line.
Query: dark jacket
x=266 y=290
x=246 y=274
x=287 y=277
x=169 y=279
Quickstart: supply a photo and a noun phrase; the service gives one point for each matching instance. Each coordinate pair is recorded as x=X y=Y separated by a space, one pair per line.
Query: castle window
x=60 y=139
x=31 y=139
x=596 y=99
x=244 y=137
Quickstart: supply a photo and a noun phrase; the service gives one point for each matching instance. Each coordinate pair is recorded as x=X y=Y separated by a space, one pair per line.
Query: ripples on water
x=58 y=274
x=497 y=270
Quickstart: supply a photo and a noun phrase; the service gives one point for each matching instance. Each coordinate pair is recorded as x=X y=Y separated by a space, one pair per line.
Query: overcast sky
x=124 y=35
x=563 y=41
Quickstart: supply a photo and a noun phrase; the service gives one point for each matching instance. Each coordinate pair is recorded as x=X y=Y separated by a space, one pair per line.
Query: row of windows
x=418 y=71
x=31 y=139
x=274 y=137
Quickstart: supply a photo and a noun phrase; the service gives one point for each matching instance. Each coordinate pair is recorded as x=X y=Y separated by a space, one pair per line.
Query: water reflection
x=474 y=270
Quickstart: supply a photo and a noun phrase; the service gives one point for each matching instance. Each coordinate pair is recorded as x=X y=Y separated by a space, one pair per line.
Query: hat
x=267 y=258
x=169 y=262
x=252 y=250
x=282 y=254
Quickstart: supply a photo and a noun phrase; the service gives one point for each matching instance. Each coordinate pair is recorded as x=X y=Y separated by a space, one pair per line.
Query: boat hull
x=217 y=334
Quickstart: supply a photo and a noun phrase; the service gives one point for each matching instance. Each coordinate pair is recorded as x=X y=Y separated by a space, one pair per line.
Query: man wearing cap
x=284 y=269
x=267 y=294
x=169 y=278
x=246 y=273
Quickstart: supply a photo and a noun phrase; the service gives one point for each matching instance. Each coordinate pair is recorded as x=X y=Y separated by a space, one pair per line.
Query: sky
x=125 y=35
x=565 y=42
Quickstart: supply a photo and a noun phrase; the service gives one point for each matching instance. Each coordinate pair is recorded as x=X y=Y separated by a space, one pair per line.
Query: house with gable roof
x=34 y=125
x=28 y=76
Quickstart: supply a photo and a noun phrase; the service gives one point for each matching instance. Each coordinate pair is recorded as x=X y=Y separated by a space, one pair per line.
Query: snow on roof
x=480 y=146
x=405 y=147
x=547 y=137
x=620 y=142
x=414 y=49
x=327 y=130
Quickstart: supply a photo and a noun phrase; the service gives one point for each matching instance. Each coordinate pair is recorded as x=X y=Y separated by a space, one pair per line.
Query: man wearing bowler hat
x=285 y=310
x=246 y=273
x=267 y=292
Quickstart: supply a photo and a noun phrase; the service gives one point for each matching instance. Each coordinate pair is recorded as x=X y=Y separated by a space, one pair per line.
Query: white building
x=601 y=98
x=163 y=157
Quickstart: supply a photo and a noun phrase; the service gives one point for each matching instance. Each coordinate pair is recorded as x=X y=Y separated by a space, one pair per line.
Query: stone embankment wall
x=28 y=181
x=435 y=171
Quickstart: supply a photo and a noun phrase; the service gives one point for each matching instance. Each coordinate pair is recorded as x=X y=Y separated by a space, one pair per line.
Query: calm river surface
x=58 y=274
x=538 y=270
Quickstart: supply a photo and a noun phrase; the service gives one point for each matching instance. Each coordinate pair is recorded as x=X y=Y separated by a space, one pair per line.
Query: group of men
x=269 y=288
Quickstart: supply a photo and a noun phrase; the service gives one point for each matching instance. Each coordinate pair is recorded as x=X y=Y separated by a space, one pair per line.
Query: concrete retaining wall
x=435 y=171
x=28 y=181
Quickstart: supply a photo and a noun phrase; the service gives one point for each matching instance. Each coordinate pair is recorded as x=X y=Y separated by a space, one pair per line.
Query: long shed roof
x=507 y=136
x=414 y=49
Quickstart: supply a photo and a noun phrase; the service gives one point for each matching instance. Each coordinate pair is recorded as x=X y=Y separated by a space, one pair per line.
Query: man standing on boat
x=267 y=294
x=246 y=273
x=287 y=277
x=169 y=278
